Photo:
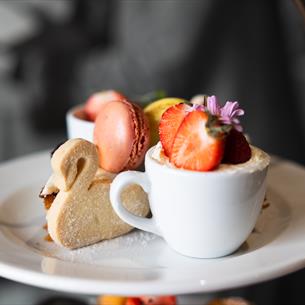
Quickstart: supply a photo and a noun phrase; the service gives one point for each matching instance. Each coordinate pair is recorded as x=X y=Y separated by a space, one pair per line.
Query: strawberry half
x=194 y=148
x=237 y=148
x=98 y=100
x=170 y=122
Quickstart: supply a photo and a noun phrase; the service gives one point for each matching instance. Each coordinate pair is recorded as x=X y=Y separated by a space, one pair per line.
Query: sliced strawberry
x=161 y=300
x=98 y=100
x=170 y=122
x=193 y=148
x=237 y=148
x=133 y=301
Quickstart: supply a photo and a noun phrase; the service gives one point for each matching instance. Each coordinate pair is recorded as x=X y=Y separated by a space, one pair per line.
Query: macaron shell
x=99 y=100
x=114 y=135
x=142 y=134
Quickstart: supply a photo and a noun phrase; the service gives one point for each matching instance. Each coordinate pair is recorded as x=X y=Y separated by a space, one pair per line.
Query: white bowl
x=77 y=125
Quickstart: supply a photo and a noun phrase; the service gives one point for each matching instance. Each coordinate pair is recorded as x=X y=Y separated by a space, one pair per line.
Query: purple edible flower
x=211 y=105
x=229 y=113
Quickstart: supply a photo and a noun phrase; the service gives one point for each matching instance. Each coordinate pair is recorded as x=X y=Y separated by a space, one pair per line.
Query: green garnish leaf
x=152 y=96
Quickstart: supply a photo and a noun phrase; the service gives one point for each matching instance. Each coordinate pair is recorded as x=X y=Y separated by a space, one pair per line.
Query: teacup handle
x=119 y=183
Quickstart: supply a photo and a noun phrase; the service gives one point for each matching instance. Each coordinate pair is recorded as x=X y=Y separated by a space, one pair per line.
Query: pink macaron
x=99 y=100
x=121 y=134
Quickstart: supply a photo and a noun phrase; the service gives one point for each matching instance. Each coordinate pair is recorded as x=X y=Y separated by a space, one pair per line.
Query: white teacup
x=199 y=214
x=77 y=125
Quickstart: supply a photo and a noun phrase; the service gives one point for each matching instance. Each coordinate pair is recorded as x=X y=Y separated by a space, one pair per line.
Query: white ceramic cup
x=77 y=125
x=199 y=214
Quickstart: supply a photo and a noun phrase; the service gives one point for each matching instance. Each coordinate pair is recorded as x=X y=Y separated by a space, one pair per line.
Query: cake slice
x=76 y=198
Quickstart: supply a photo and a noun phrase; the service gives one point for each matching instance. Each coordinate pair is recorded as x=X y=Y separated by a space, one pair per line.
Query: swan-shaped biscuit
x=81 y=213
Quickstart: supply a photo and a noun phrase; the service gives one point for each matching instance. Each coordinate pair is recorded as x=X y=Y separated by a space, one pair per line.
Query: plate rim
x=131 y=288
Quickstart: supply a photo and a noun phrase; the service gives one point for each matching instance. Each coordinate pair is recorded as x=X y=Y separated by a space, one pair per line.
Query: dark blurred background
x=55 y=53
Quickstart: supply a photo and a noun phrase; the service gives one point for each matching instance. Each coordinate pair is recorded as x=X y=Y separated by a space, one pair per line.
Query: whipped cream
x=258 y=161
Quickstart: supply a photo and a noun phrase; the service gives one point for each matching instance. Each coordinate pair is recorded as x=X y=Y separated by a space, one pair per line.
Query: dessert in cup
x=205 y=183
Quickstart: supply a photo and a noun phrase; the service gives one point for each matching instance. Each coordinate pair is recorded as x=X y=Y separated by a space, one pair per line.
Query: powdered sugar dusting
x=124 y=248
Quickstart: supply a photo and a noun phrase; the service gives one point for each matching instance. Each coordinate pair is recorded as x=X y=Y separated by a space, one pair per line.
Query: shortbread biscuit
x=81 y=213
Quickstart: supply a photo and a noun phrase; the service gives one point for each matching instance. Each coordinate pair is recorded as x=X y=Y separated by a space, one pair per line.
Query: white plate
x=140 y=263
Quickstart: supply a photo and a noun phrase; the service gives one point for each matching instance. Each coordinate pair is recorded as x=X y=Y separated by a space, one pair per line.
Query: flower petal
x=212 y=105
x=239 y=112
